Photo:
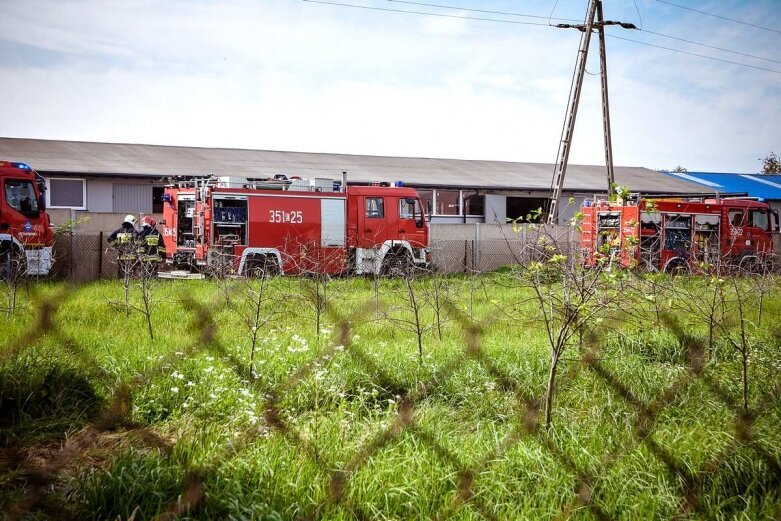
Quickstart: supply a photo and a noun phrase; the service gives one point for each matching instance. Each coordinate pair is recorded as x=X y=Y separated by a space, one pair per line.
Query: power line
x=719 y=16
x=440 y=15
x=485 y=11
x=662 y=35
x=520 y=22
x=638 y=15
x=694 y=54
x=747 y=55
x=553 y=11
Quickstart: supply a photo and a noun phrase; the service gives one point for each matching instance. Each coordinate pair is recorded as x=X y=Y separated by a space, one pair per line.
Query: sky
x=304 y=76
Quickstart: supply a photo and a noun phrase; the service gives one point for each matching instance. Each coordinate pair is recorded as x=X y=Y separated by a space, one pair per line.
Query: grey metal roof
x=80 y=157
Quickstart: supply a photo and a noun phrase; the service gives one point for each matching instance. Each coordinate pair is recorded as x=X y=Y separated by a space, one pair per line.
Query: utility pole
x=565 y=144
x=611 y=178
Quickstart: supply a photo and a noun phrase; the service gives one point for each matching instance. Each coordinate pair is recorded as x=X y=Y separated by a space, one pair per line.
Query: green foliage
x=40 y=394
x=136 y=484
x=771 y=164
x=202 y=404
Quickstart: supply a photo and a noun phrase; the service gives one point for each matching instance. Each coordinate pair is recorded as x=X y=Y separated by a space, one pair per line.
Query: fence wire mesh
x=33 y=475
x=87 y=257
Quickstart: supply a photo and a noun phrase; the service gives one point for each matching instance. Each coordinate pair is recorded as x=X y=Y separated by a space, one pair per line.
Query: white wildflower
x=174 y=390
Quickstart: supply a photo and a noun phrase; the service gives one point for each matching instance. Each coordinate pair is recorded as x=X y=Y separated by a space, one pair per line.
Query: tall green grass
x=204 y=403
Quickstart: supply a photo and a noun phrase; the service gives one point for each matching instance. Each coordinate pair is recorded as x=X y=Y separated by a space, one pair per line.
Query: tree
x=12 y=275
x=569 y=296
x=415 y=307
x=679 y=170
x=771 y=164
x=258 y=305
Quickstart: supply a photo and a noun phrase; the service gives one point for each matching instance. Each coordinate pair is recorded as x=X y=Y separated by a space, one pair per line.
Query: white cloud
x=291 y=75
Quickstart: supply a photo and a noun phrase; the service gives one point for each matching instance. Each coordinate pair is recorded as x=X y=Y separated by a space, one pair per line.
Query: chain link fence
x=87 y=257
x=35 y=476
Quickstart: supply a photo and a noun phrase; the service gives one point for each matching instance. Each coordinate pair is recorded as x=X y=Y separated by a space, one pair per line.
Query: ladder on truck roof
x=278 y=182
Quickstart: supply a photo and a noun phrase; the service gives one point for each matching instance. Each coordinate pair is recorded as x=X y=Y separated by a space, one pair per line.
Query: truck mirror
x=419 y=222
x=42 y=203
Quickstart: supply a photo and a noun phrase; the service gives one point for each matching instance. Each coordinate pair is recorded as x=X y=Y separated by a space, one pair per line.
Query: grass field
x=98 y=421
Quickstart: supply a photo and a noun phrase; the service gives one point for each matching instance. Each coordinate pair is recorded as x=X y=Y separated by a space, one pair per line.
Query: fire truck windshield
x=758 y=219
x=20 y=195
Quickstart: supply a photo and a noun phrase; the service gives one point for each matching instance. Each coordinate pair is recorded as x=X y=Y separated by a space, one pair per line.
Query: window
x=157 y=199
x=67 y=193
x=736 y=218
x=375 y=208
x=427 y=198
x=473 y=203
x=758 y=219
x=20 y=195
x=448 y=202
x=409 y=208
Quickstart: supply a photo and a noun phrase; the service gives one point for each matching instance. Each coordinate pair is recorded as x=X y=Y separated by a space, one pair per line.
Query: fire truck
x=679 y=233
x=26 y=236
x=293 y=226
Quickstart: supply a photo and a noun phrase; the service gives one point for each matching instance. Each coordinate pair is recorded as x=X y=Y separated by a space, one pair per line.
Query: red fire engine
x=679 y=233
x=26 y=236
x=293 y=226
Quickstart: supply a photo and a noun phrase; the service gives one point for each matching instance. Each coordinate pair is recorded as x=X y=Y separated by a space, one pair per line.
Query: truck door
x=734 y=243
x=756 y=231
x=373 y=222
x=411 y=227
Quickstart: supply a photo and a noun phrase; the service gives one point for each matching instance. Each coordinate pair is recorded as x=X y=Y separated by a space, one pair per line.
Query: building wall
x=92 y=222
x=495 y=208
x=116 y=195
x=100 y=195
x=132 y=197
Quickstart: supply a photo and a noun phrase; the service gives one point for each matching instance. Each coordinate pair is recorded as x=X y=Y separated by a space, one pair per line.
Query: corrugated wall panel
x=132 y=198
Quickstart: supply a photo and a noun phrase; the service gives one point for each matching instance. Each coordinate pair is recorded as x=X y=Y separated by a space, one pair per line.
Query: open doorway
x=525 y=208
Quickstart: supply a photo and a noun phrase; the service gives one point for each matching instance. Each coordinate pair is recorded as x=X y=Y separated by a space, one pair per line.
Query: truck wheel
x=677 y=268
x=12 y=263
x=750 y=266
x=261 y=266
x=397 y=264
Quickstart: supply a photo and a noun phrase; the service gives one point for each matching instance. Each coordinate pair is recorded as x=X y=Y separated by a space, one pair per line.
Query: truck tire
x=750 y=265
x=12 y=262
x=258 y=266
x=677 y=267
x=397 y=263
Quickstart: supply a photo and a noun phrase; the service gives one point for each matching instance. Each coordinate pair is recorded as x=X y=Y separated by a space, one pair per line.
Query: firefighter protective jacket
x=150 y=245
x=123 y=240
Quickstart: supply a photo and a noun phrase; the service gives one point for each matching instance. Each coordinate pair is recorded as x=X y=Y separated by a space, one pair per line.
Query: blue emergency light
x=23 y=166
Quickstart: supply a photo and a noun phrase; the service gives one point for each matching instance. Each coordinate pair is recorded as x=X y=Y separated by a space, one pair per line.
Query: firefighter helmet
x=129 y=218
x=148 y=221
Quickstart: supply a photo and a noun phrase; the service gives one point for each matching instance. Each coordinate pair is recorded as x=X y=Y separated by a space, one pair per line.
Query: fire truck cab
x=679 y=234
x=26 y=236
x=293 y=226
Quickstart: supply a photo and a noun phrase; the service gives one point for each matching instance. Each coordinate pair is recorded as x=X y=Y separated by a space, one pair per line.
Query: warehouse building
x=101 y=180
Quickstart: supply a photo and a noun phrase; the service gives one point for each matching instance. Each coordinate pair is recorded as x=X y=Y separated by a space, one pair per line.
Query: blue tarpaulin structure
x=766 y=187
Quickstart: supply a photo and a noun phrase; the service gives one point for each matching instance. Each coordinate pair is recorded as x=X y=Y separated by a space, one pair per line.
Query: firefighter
x=151 y=249
x=123 y=239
